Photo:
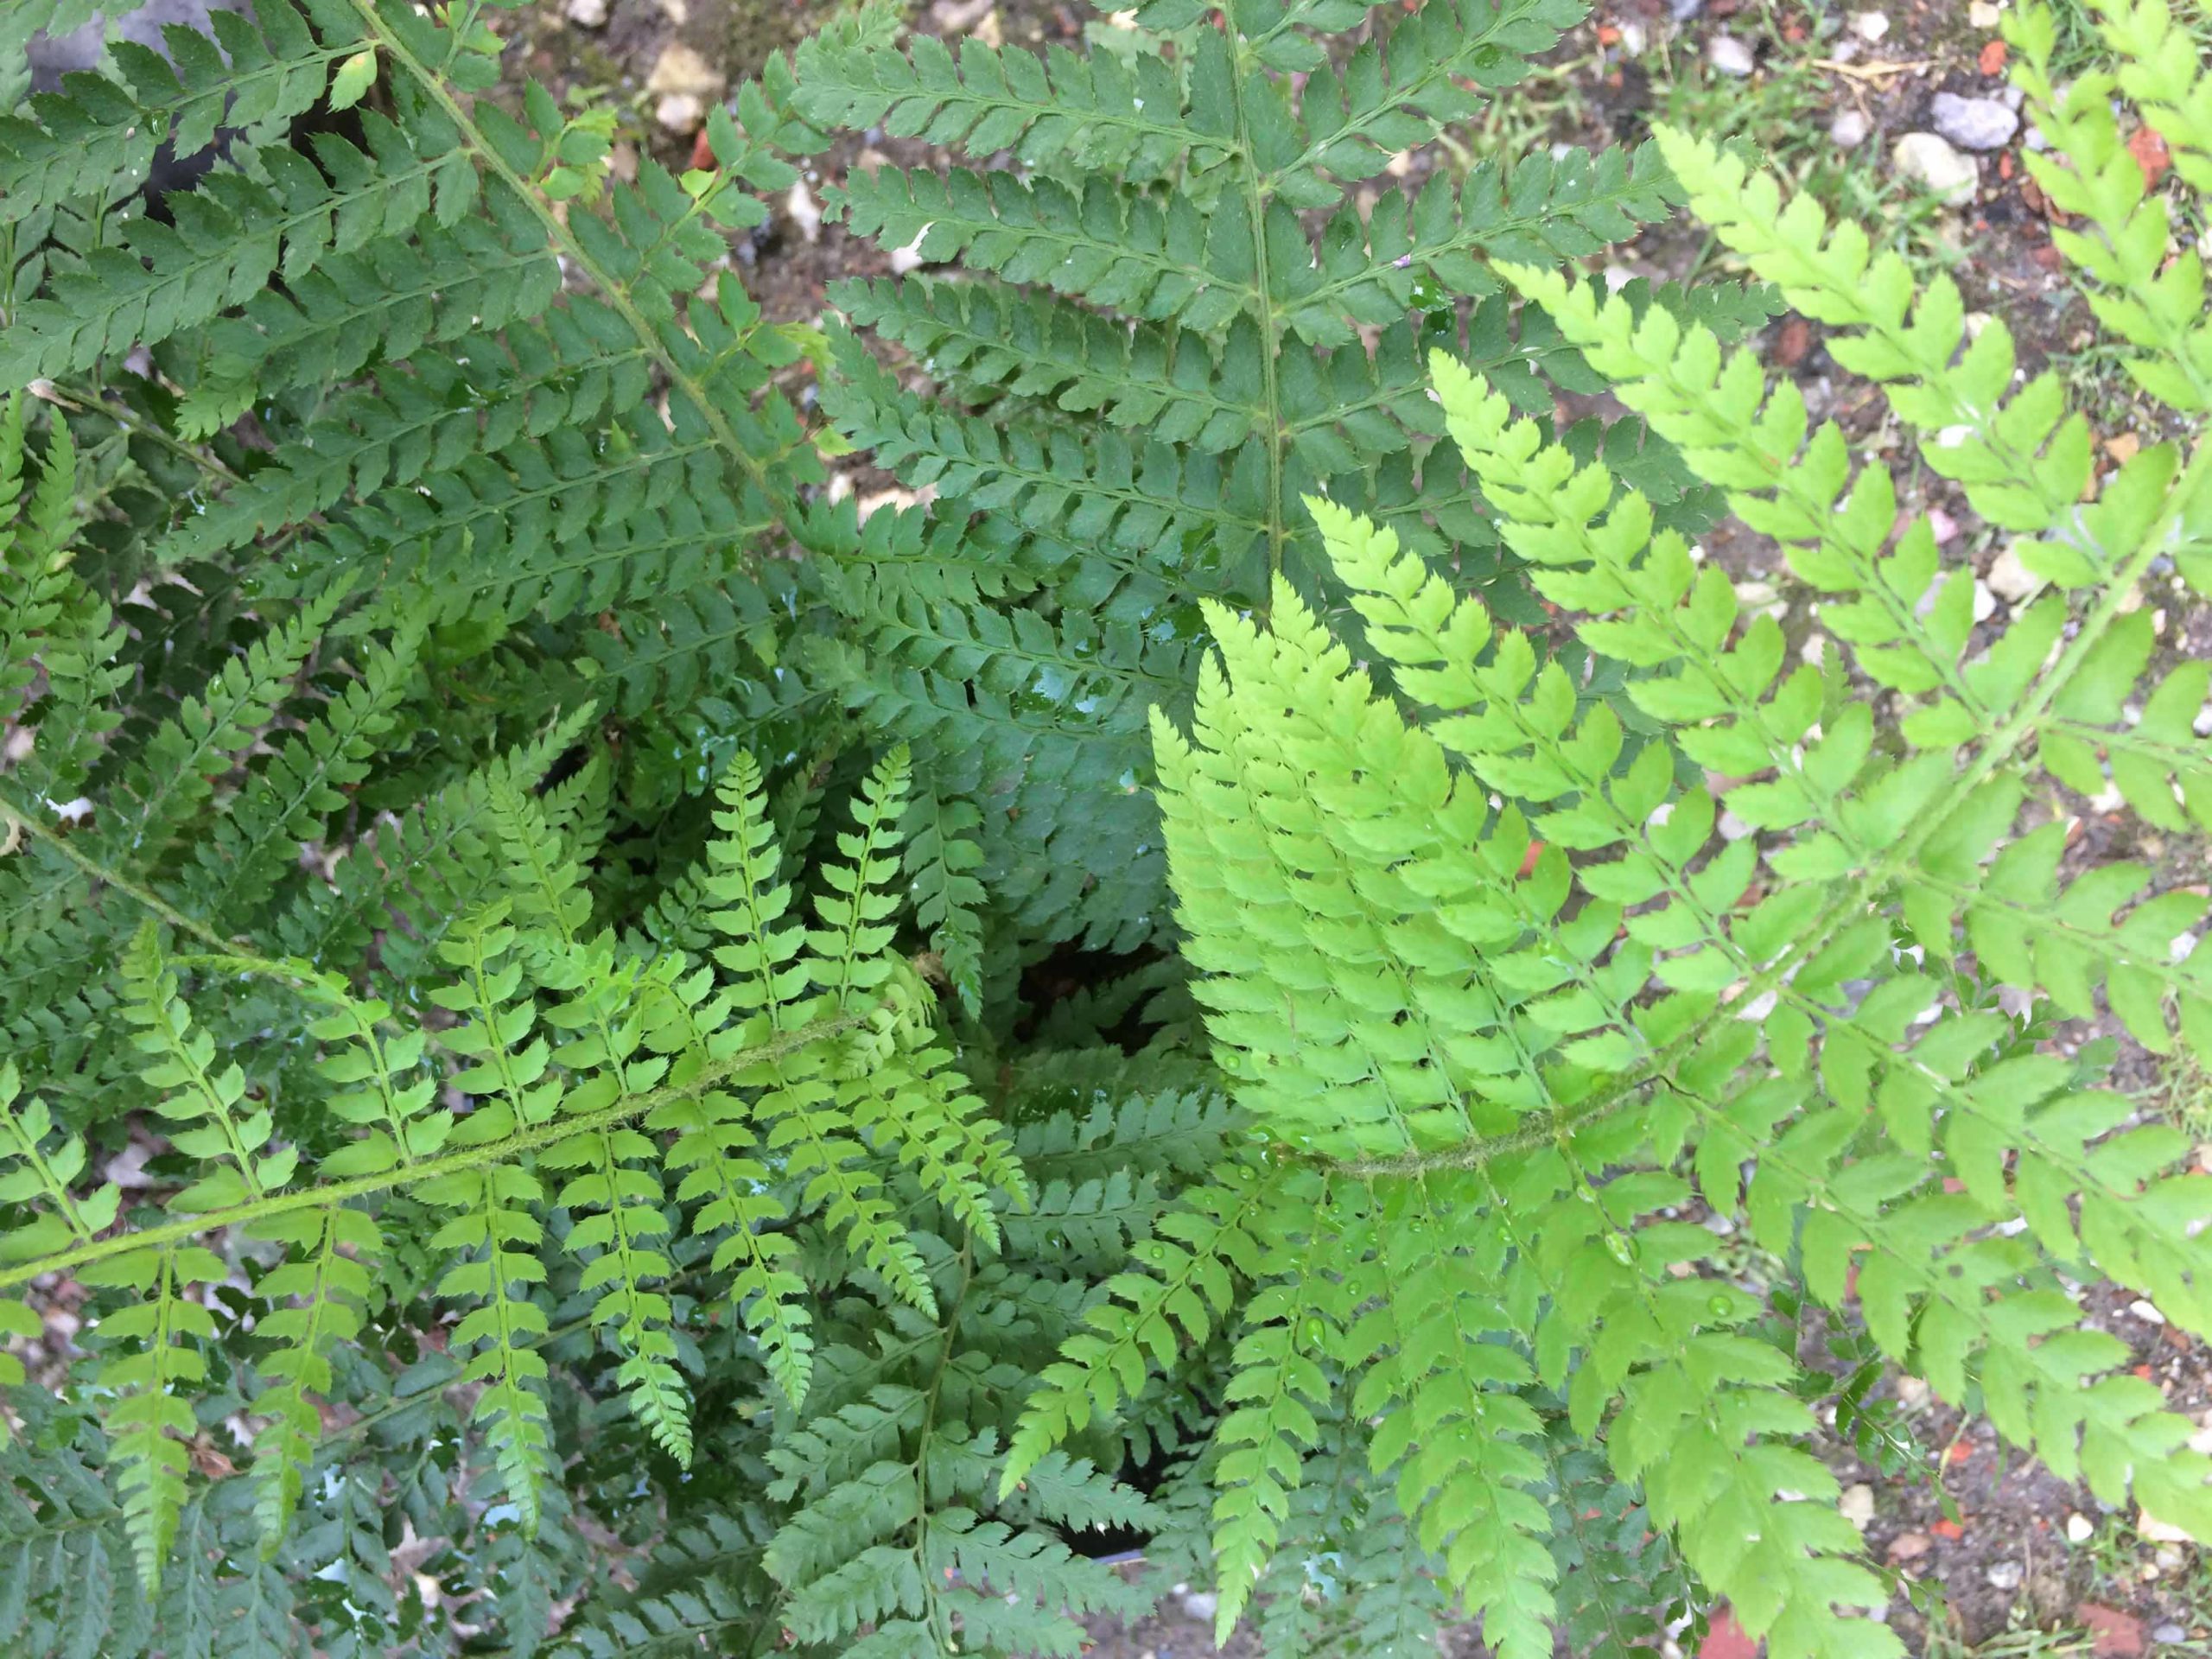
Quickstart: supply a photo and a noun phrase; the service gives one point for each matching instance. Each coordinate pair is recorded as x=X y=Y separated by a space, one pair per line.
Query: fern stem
x=533 y=1139
x=938 y=1611
x=35 y=827
x=1479 y=1154
x=85 y=401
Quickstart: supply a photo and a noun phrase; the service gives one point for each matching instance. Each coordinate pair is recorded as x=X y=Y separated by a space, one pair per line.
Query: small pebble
x=2080 y=1529
x=1928 y=158
x=680 y=112
x=2159 y=1532
x=1983 y=15
x=1729 y=55
x=1202 y=1605
x=1857 y=1505
x=2169 y=1558
x=2146 y=1311
x=2011 y=580
x=1849 y=130
x=804 y=211
x=1870 y=25
x=586 y=14
x=2004 y=1575
x=683 y=69
x=2170 y=1633
x=1973 y=123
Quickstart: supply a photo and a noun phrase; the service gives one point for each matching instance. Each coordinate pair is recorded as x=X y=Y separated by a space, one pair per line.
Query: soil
x=1985 y=1526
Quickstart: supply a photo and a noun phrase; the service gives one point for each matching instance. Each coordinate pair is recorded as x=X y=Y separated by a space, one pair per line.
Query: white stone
x=1985 y=602
x=1728 y=54
x=1857 y=1505
x=1849 y=129
x=2080 y=1529
x=2160 y=1532
x=1926 y=158
x=681 y=69
x=1974 y=122
x=680 y=112
x=1982 y=15
x=804 y=211
x=2146 y=1311
x=1913 y=1392
x=2011 y=580
x=2004 y=1575
x=586 y=14
x=1870 y=25
x=1202 y=1605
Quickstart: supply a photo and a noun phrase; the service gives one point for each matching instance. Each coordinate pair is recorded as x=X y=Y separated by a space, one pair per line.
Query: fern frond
x=1501 y=1075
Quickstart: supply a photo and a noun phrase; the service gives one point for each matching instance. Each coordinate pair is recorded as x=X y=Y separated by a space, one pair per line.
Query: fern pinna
x=1512 y=991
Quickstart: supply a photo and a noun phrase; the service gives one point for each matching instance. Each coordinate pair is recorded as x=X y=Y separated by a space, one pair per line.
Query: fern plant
x=536 y=1032
x=1512 y=995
